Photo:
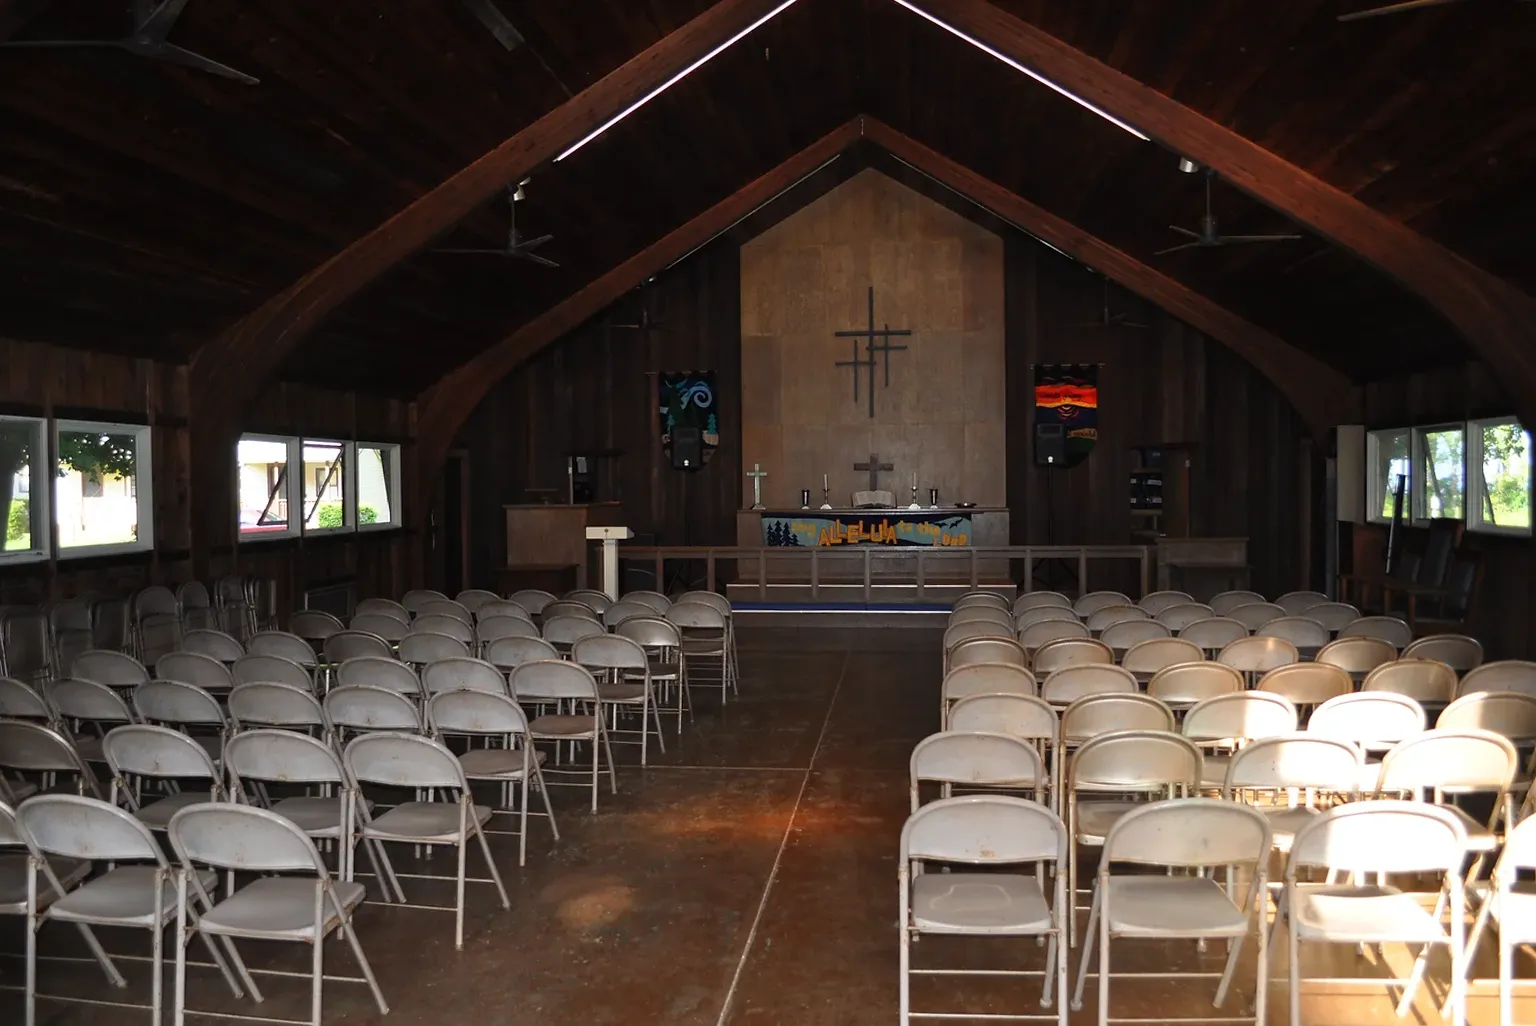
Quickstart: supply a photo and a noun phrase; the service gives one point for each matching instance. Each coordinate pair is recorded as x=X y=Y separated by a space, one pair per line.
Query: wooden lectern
x=551 y=541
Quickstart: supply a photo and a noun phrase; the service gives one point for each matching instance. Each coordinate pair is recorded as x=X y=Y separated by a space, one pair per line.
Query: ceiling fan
x=1208 y=237
x=517 y=247
x=1111 y=320
x=1399 y=8
x=151 y=25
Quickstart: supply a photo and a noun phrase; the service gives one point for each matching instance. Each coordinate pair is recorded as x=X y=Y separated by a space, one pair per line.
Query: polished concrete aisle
x=746 y=877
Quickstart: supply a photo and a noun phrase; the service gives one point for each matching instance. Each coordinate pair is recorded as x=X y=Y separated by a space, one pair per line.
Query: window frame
x=1473 y=487
x=391 y=485
x=1377 y=492
x=143 y=487
x=348 y=492
x=253 y=534
x=1419 y=486
x=39 y=496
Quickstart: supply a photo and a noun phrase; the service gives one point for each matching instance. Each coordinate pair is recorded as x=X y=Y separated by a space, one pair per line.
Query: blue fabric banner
x=895 y=527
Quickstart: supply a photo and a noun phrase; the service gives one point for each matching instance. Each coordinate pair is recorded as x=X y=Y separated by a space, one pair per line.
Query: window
x=326 y=502
x=266 y=489
x=1498 y=476
x=102 y=488
x=24 y=489
x=378 y=485
x=1389 y=454
x=1441 y=459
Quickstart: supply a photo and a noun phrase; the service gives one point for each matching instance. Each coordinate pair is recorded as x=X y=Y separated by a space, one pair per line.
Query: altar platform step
x=839 y=614
x=846 y=603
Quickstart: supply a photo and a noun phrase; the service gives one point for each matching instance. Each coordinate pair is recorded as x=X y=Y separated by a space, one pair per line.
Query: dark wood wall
x=42 y=379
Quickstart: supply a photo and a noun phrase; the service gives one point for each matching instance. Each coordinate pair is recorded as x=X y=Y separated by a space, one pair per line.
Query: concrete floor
x=746 y=877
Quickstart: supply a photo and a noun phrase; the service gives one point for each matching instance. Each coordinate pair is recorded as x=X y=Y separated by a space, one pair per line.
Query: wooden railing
x=974 y=557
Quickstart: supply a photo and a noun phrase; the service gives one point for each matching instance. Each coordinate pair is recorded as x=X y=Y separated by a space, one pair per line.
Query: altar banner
x=687 y=399
x=874 y=528
x=1068 y=394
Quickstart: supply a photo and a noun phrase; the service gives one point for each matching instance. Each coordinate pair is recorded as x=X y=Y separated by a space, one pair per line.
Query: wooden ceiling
x=145 y=207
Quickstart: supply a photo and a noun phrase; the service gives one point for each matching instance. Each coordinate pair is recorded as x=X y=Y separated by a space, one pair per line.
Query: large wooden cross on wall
x=884 y=347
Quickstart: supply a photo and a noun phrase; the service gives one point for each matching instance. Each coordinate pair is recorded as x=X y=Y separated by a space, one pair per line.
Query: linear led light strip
x=690 y=69
x=978 y=44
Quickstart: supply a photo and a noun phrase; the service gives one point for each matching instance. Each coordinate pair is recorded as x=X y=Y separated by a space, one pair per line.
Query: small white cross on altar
x=757 y=473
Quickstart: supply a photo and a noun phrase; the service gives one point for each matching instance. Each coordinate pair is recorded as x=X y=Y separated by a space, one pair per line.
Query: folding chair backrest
x=491 y=628
x=473 y=599
x=1307 y=683
x=988 y=679
x=21 y=701
x=34 y=748
x=1065 y=652
x=1356 y=655
x=1380 y=837
x=228 y=836
x=382 y=625
x=658 y=602
x=982 y=829
x=439 y=623
x=1296 y=603
x=1157 y=601
x=77 y=827
x=253 y=668
x=1189 y=832
x=1108 y=616
x=1022 y=716
x=214 y=644
x=567 y=630
x=114 y=669
x=1390 y=629
x=1458 y=651
x=503 y=607
x=475 y=712
x=390 y=674
x=1225 y=602
x=382 y=607
x=1127 y=634
x=1038 y=599
x=955 y=633
x=71 y=614
x=1511 y=713
x=1093 y=601
x=1156 y=654
x=1504 y=675
x=723 y=604
x=1244 y=715
x=1298 y=630
x=1192 y=682
x=194 y=601
x=275 y=705
x=269 y=755
x=1068 y=684
x=145 y=750
x=970 y=598
x=428 y=647
x=173 y=701
x=415 y=599
x=1093 y=715
x=985 y=613
x=350 y=644
x=1296 y=760
x=1038 y=635
x=155 y=601
x=281 y=643
x=552 y=680
x=1258 y=655
x=694 y=616
x=194 y=668
x=649 y=631
x=1039 y=614
x=1333 y=615
x=1369 y=717
x=987 y=650
x=609 y=651
x=624 y=609
x=10 y=836
x=1425 y=680
x=1136 y=760
x=446 y=607
x=28 y=647
x=1177 y=617
x=975 y=759
x=1213 y=633
x=533 y=600
x=1462 y=760
x=505 y=653
x=110 y=628
x=403 y=760
x=364 y=707
x=595 y=600
x=1519 y=848
x=158 y=633
x=1254 y=615
x=462 y=673
x=314 y=624
x=87 y=701
x=566 y=607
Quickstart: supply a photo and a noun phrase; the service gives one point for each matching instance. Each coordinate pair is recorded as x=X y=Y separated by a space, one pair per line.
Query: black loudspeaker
x=687 y=448
x=1050 y=444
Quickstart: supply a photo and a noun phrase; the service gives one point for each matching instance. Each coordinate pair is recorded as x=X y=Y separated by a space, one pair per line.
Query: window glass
x=378 y=474
x=1501 y=475
x=1390 y=454
x=325 y=474
x=264 y=486
x=23 y=496
x=95 y=494
x=1442 y=461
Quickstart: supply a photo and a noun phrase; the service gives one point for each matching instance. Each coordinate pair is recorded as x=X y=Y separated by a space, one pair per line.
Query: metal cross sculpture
x=884 y=347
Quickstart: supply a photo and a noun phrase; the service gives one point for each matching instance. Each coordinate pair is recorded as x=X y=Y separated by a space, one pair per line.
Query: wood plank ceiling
x=143 y=207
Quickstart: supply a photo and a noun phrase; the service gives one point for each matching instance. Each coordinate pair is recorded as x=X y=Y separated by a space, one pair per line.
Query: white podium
x=610 y=537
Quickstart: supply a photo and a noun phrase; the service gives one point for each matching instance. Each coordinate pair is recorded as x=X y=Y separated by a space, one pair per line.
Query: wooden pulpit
x=552 y=540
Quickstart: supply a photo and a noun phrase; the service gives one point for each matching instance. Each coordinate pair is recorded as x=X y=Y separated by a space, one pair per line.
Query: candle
x=823 y=482
x=914 y=480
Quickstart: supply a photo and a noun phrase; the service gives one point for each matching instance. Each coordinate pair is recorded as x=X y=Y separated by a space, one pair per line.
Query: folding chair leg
x=1506 y=981
x=317 y=968
x=157 y=946
x=362 y=959
x=538 y=775
x=522 y=812
x=458 y=900
x=1103 y=964
x=906 y=971
x=1082 y=966
x=597 y=726
x=1293 y=943
x=613 y=774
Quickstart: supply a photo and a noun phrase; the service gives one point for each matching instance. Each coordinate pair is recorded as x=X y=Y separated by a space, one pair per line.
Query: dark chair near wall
x=1446 y=609
x=1423 y=565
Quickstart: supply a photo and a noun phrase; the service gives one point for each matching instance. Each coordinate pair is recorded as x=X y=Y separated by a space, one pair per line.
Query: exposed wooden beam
x=444 y=407
x=1320 y=394
x=1496 y=319
x=230 y=370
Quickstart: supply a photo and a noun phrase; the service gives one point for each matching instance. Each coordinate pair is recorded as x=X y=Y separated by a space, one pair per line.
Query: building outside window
x=101 y=489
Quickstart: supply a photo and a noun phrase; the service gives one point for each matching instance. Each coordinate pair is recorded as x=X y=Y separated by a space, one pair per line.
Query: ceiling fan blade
x=533 y=258
x=530 y=243
x=173 y=54
x=1406 y=5
x=466 y=251
x=1186 y=231
x=1222 y=240
x=1175 y=249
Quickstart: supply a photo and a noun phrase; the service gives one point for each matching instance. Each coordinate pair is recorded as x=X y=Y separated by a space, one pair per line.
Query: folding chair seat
x=1458 y=651
x=663 y=644
x=266 y=756
x=706 y=639
x=1064 y=652
x=1225 y=602
x=1226 y=721
x=975 y=760
x=226 y=648
x=1296 y=603
x=1040 y=599
x=142 y=751
x=623 y=673
x=1157 y=601
x=1213 y=633
x=561 y=683
x=1179 y=616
